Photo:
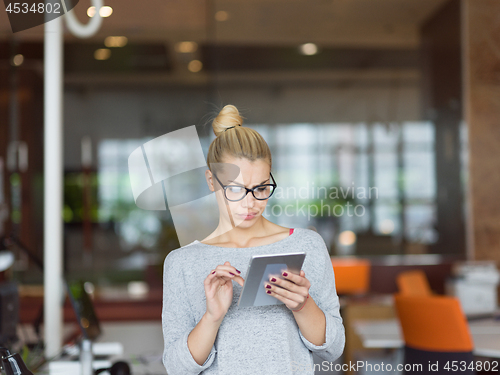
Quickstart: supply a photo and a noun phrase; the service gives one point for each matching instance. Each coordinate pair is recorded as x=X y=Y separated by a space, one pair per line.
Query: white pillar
x=53 y=185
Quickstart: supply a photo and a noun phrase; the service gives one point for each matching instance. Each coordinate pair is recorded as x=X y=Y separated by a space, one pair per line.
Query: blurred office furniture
x=82 y=360
x=9 y=300
x=413 y=283
x=9 y=312
x=385 y=270
x=386 y=334
x=378 y=308
x=145 y=358
x=118 y=368
x=20 y=134
x=375 y=244
x=13 y=364
x=475 y=284
x=111 y=304
x=435 y=329
x=352 y=275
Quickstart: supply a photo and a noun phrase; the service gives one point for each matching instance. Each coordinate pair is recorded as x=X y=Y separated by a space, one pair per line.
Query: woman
x=204 y=330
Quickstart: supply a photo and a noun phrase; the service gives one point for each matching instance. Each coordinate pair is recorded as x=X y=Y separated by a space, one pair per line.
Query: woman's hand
x=219 y=290
x=292 y=291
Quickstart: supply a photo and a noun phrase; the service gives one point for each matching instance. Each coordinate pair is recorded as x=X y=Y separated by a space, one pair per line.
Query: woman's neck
x=225 y=234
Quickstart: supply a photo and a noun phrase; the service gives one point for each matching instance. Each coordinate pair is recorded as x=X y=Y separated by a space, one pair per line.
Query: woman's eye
x=261 y=189
x=235 y=189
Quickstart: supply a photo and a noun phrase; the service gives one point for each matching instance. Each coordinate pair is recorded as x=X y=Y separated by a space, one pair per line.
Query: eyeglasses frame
x=248 y=190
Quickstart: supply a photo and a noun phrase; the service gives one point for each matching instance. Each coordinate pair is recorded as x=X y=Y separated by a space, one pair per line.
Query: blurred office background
x=394 y=100
x=349 y=95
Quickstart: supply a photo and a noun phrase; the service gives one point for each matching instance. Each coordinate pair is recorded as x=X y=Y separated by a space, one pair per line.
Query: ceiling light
x=221 y=15
x=18 y=60
x=308 y=49
x=115 y=41
x=195 y=66
x=105 y=11
x=102 y=54
x=91 y=12
x=186 y=47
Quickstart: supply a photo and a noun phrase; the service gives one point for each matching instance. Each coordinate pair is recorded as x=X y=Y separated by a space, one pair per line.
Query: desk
x=360 y=309
x=142 y=344
x=387 y=334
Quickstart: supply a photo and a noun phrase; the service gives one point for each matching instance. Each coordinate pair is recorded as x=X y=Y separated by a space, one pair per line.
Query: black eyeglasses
x=235 y=193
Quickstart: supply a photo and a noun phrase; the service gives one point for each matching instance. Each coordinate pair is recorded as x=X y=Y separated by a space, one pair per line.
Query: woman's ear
x=210 y=182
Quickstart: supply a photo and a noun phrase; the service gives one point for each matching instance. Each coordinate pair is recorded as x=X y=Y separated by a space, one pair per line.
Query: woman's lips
x=247 y=216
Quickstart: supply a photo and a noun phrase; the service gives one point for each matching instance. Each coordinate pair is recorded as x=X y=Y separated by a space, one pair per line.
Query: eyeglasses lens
x=236 y=192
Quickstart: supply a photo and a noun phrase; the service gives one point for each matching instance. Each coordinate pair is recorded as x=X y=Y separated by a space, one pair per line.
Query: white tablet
x=262 y=267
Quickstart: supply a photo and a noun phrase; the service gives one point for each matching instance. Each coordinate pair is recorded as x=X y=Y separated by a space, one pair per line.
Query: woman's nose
x=248 y=201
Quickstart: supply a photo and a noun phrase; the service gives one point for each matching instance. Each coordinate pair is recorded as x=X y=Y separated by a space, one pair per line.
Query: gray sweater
x=262 y=340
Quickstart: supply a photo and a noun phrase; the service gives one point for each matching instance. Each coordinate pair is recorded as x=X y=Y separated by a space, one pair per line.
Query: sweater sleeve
x=178 y=322
x=327 y=300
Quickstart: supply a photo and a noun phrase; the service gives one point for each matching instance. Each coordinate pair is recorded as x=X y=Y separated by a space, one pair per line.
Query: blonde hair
x=238 y=142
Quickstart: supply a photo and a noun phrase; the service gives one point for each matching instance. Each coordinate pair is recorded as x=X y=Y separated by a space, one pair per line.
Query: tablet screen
x=262 y=267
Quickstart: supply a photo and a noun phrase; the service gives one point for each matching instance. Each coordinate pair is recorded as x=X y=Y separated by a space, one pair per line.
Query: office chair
x=435 y=330
x=352 y=276
x=413 y=283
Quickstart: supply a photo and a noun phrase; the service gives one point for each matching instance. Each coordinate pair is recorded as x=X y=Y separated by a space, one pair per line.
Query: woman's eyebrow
x=237 y=183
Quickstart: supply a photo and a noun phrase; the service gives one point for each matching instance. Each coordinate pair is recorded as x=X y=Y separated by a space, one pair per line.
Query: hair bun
x=228 y=117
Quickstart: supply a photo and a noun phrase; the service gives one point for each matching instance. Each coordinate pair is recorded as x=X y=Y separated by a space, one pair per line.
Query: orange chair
x=435 y=330
x=413 y=283
x=352 y=276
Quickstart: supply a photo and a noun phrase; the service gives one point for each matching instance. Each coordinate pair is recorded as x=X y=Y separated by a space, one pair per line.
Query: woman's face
x=240 y=172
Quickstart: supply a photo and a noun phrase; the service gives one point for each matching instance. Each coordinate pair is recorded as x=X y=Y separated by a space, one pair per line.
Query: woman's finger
x=240 y=280
x=288 y=302
x=285 y=284
x=299 y=279
x=233 y=272
x=229 y=269
x=302 y=288
x=223 y=273
x=276 y=290
x=215 y=277
x=227 y=275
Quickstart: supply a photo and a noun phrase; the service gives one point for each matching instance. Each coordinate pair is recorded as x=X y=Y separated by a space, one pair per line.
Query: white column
x=53 y=185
